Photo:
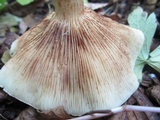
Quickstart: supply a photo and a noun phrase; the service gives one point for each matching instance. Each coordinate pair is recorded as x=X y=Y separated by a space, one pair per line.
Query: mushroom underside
x=83 y=65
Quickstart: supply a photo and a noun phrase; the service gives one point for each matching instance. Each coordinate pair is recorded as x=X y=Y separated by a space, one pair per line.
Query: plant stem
x=68 y=9
x=118 y=110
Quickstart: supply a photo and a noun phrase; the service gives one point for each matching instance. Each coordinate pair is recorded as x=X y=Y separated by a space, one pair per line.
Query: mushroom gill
x=73 y=58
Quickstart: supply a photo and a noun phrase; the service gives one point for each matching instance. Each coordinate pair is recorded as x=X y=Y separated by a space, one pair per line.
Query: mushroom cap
x=82 y=65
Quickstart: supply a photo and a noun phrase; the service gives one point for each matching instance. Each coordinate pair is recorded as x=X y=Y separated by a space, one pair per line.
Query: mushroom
x=73 y=58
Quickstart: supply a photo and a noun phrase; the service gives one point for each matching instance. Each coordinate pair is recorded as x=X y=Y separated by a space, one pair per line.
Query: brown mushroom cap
x=82 y=64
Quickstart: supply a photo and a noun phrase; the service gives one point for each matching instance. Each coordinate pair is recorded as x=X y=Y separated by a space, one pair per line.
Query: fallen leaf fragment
x=32 y=114
x=6 y=56
x=10 y=37
x=3 y=95
x=154 y=93
x=144 y=101
x=95 y=6
x=29 y=114
x=140 y=115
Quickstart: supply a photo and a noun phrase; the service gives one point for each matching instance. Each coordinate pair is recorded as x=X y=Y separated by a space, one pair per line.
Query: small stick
x=98 y=114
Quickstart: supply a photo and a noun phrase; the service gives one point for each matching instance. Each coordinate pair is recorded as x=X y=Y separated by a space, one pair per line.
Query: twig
x=98 y=114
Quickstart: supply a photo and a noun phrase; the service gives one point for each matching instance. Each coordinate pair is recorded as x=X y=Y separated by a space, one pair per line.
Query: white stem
x=89 y=117
x=118 y=110
x=141 y=108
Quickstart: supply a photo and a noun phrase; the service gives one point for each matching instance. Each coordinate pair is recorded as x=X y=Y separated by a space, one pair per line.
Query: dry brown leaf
x=10 y=37
x=3 y=95
x=22 y=11
x=154 y=93
x=119 y=116
x=140 y=115
x=32 y=114
x=131 y=101
x=31 y=20
x=57 y=114
x=131 y=115
x=29 y=114
x=147 y=81
x=144 y=101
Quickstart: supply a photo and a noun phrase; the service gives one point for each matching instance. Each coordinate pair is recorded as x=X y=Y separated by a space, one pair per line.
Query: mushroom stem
x=67 y=9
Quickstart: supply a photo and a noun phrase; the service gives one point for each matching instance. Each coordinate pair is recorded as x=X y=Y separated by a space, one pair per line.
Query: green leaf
x=24 y=2
x=9 y=20
x=154 y=60
x=6 y=56
x=85 y=1
x=2 y=4
x=147 y=24
x=139 y=65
